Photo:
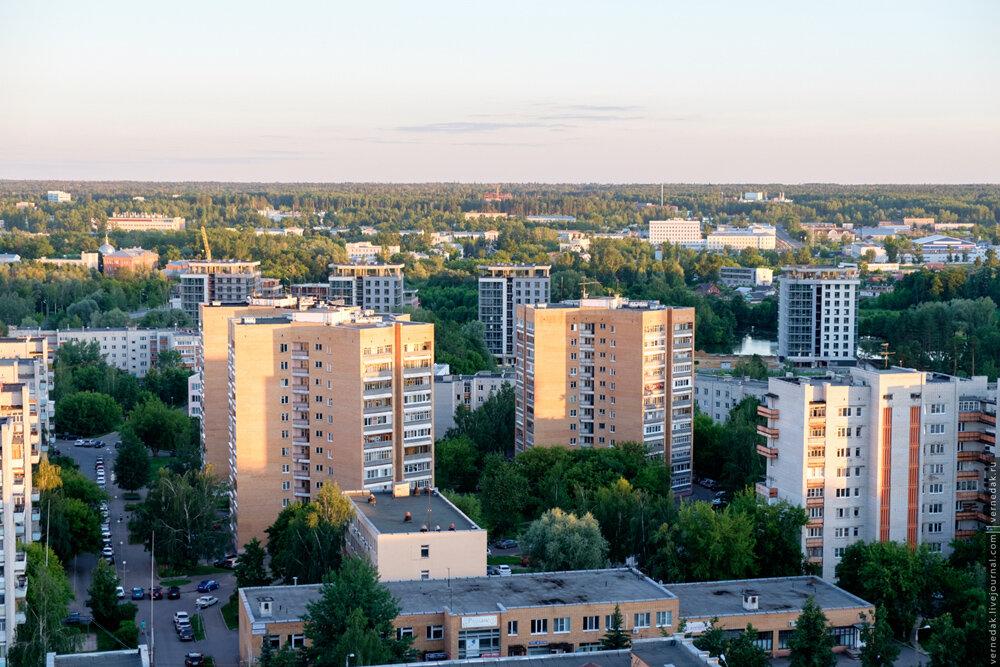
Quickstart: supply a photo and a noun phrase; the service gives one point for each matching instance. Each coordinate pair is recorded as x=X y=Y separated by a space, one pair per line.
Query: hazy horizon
x=783 y=92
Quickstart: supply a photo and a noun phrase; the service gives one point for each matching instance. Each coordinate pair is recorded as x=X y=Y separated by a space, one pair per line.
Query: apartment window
x=435 y=632
x=560 y=625
x=284 y=502
x=934 y=527
x=284 y=400
x=934 y=508
x=404 y=632
x=934 y=469
x=838 y=552
x=935 y=488
x=285 y=468
x=664 y=619
x=425 y=575
x=284 y=435
x=319 y=467
x=285 y=451
x=425 y=551
x=319 y=348
x=962 y=485
x=512 y=628
x=937 y=408
x=815 y=512
x=933 y=547
x=286 y=486
x=284 y=365
x=283 y=347
x=591 y=623
x=319 y=450
x=296 y=641
x=935 y=429
x=642 y=620
x=817 y=492
x=816 y=531
x=539 y=626
x=936 y=448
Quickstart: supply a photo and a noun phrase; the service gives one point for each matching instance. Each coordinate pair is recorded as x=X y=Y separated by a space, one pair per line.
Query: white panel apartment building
x=377 y=287
x=818 y=315
x=146 y=223
x=761 y=237
x=677 y=231
x=502 y=288
x=716 y=395
x=892 y=454
x=451 y=391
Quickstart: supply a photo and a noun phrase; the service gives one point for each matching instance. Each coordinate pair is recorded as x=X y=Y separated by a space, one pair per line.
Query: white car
x=206 y=601
x=181 y=618
x=503 y=570
x=120 y=592
x=107 y=551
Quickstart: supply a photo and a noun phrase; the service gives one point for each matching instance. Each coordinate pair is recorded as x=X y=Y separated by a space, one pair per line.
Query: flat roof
x=775 y=596
x=475 y=595
x=128 y=658
x=387 y=514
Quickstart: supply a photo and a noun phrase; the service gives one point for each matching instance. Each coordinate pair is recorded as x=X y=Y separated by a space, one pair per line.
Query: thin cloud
x=474 y=127
x=583 y=116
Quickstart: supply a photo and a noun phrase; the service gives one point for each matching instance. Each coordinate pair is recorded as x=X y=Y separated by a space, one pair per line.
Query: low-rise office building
x=146 y=223
x=761 y=237
x=418 y=535
x=678 y=231
x=743 y=276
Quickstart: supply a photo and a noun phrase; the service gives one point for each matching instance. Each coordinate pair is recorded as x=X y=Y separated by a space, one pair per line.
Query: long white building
x=135 y=222
x=761 y=237
x=892 y=454
x=678 y=231
x=818 y=315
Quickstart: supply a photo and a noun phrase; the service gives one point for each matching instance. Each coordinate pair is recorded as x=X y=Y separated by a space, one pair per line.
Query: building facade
x=225 y=281
x=451 y=391
x=742 y=276
x=34 y=357
x=598 y=371
x=324 y=395
x=415 y=535
x=716 y=395
x=502 y=288
x=818 y=315
x=366 y=251
x=377 y=287
x=146 y=223
x=132 y=349
x=677 y=231
x=761 y=237
x=134 y=259
x=58 y=197
x=891 y=454
x=24 y=386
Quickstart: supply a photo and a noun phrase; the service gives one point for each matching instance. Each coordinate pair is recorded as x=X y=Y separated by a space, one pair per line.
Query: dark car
x=76 y=618
x=156 y=593
x=174 y=593
x=55 y=451
x=208 y=585
x=186 y=634
x=506 y=544
x=194 y=659
x=138 y=593
x=227 y=561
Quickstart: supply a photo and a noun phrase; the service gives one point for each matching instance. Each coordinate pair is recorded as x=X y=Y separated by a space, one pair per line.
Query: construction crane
x=583 y=286
x=204 y=239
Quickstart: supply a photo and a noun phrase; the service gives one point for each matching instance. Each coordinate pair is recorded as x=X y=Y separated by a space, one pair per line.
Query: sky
x=543 y=91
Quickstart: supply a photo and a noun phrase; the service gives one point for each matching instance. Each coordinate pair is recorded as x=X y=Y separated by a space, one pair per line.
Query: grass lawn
x=175 y=582
x=192 y=571
x=231 y=612
x=157 y=462
x=503 y=560
x=131 y=495
x=198 y=625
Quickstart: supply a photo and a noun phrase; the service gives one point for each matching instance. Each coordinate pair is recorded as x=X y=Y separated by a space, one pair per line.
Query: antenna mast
x=885 y=354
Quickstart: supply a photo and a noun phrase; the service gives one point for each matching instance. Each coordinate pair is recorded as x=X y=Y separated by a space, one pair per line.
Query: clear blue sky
x=850 y=92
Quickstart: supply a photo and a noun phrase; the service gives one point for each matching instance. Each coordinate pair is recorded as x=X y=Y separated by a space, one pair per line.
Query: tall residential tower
x=502 y=288
x=818 y=315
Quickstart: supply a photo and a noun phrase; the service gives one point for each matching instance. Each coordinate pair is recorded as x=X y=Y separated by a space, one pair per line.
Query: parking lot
x=134 y=565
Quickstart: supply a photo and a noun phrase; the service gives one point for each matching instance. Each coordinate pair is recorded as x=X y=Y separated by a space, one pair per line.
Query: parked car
x=491 y=570
x=507 y=544
x=120 y=592
x=174 y=593
x=107 y=551
x=208 y=585
x=181 y=617
x=194 y=660
x=222 y=562
x=138 y=593
x=186 y=634
x=156 y=592
x=76 y=618
x=206 y=601
x=80 y=443
x=503 y=570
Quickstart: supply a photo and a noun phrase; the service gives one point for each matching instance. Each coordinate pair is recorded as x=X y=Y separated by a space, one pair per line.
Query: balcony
x=765 y=490
x=964 y=534
x=767 y=431
x=767 y=452
x=814 y=502
x=980 y=457
x=35 y=495
x=977 y=436
x=968 y=474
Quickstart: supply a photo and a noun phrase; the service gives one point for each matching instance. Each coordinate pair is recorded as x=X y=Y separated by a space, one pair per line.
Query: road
x=784 y=236
x=133 y=564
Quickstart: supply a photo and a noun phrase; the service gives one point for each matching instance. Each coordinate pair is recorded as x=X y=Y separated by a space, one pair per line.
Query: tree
x=88 y=413
x=777 y=529
x=46 y=605
x=946 y=645
x=456 y=464
x=158 y=426
x=879 y=648
x=504 y=494
x=491 y=425
x=133 y=468
x=889 y=575
x=353 y=610
x=103 y=601
x=615 y=638
x=306 y=540
x=250 y=570
x=704 y=545
x=811 y=643
x=559 y=541
x=182 y=511
x=741 y=650
x=754 y=367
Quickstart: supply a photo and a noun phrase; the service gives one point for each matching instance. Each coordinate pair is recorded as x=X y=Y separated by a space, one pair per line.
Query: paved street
x=133 y=563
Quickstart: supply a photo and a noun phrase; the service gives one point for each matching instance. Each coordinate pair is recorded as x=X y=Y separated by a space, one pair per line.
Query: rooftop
x=128 y=658
x=474 y=595
x=387 y=514
x=775 y=596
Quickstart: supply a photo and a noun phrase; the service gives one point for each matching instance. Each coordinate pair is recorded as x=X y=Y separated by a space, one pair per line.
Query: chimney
x=265 y=604
x=451 y=527
x=408 y=518
x=750 y=600
x=423 y=529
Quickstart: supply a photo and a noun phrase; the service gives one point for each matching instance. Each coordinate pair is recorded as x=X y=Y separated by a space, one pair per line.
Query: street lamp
x=347 y=659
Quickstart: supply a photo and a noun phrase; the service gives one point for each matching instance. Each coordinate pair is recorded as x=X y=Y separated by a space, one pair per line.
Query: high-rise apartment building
x=225 y=281
x=502 y=288
x=598 y=371
x=24 y=386
x=677 y=231
x=33 y=357
x=818 y=315
x=325 y=395
x=377 y=287
x=891 y=454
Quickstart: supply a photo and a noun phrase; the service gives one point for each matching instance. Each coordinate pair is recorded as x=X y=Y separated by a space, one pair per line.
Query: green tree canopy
x=132 y=468
x=88 y=413
x=250 y=570
x=46 y=604
x=306 y=540
x=559 y=541
x=157 y=426
x=811 y=643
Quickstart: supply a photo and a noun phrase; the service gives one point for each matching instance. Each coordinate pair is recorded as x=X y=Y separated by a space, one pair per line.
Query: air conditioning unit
x=635 y=630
